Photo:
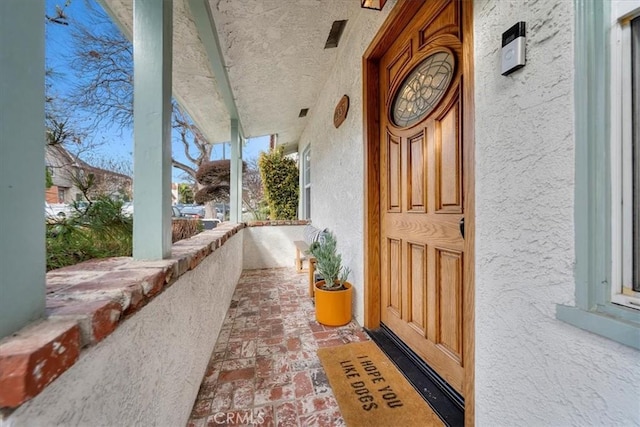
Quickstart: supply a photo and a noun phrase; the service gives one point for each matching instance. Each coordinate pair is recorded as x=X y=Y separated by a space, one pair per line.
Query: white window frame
x=62 y=195
x=622 y=12
x=593 y=309
x=306 y=182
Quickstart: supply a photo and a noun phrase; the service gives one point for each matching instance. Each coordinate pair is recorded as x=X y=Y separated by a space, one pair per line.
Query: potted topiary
x=333 y=294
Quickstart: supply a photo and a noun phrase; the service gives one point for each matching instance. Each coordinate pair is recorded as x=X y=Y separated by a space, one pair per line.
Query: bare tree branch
x=60 y=16
x=103 y=59
x=253 y=194
x=185 y=126
x=185 y=144
x=183 y=167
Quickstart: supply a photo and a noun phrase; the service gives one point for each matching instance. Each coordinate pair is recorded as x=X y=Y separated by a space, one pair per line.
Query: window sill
x=87 y=302
x=604 y=324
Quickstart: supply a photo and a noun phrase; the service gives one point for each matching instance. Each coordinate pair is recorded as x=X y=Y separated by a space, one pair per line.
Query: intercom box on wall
x=513 y=47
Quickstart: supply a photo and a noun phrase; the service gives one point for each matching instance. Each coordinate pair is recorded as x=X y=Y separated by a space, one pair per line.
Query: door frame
x=396 y=22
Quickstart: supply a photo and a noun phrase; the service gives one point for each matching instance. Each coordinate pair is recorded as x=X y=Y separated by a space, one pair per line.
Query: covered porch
x=178 y=332
x=129 y=340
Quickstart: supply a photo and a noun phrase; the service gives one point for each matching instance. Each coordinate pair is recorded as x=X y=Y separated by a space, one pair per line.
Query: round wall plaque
x=340 y=113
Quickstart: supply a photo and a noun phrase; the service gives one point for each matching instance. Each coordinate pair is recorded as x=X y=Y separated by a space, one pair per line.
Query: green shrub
x=48 y=183
x=183 y=228
x=95 y=230
x=280 y=180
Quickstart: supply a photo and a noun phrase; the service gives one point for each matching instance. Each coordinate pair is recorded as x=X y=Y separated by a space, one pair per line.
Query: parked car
x=79 y=205
x=210 y=223
x=56 y=210
x=193 y=211
x=127 y=209
x=220 y=208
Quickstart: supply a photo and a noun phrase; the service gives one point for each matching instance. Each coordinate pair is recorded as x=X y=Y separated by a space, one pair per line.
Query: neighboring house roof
x=62 y=164
x=65 y=165
x=58 y=153
x=87 y=167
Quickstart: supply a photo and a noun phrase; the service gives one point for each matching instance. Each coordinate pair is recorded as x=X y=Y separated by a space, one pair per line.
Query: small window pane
x=307 y=167
x=421 y=91
x=635 y=70
x=306 y=183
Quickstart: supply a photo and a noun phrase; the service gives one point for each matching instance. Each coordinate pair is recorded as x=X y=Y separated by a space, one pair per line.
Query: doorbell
x=513 y=45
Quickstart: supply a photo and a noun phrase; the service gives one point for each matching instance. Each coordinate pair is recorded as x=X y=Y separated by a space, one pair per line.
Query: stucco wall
x=149 y=370
x=337 y=157
x=532 y=369
x=270 y=246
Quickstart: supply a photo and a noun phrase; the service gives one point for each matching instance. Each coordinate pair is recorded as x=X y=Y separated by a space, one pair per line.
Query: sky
x=113 y=143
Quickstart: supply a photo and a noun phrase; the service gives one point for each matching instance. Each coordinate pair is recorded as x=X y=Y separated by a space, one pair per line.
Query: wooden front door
x=422 y=194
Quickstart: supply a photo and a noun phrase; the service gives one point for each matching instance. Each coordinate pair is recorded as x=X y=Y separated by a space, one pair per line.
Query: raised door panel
x=394 y=271
x=417 y=269
x=416 y=175
x=397 y=64
x=449 y=290
x=430 y=164
x=446 y=16
x=394 y=181
x=448 y=162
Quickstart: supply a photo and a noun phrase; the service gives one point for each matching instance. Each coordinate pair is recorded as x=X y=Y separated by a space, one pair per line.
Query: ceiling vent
x=334 y=35
x=303 y=112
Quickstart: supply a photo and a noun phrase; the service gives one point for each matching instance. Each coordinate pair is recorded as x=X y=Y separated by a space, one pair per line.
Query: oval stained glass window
x=422 y=89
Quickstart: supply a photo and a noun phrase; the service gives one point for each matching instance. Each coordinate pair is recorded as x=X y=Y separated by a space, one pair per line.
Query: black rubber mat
x=442 y=398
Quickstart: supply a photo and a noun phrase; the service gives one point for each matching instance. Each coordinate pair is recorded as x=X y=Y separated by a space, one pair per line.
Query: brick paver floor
x=264 y=369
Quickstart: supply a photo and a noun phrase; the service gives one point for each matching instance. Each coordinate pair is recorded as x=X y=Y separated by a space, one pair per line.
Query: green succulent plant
x=329 y=262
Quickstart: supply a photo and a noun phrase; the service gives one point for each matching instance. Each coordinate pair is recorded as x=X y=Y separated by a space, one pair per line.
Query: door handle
x=461 y=224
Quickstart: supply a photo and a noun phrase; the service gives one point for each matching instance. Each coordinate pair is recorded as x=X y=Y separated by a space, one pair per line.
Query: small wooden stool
x=301 y=255
x=301 y=248
x=312 y=270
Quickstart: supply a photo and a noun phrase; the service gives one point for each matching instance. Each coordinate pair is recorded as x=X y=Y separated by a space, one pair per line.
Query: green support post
x=236 y=172
x=152 y=59
x=22 y=167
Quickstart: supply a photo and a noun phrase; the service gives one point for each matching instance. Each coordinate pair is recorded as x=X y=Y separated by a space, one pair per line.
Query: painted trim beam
x=209 y=36
x=208 y=33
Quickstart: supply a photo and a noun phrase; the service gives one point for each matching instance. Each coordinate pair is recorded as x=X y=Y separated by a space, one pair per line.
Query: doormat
x=371 y=391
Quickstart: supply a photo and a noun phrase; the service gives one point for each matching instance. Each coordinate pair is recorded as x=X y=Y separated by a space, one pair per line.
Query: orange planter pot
x=333 y=308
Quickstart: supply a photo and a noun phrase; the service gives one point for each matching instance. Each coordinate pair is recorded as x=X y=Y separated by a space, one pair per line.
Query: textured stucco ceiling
x=274 y=56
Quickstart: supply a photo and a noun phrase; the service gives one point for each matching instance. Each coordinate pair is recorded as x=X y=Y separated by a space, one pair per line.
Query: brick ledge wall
x=267 y=223
x=84 y=304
